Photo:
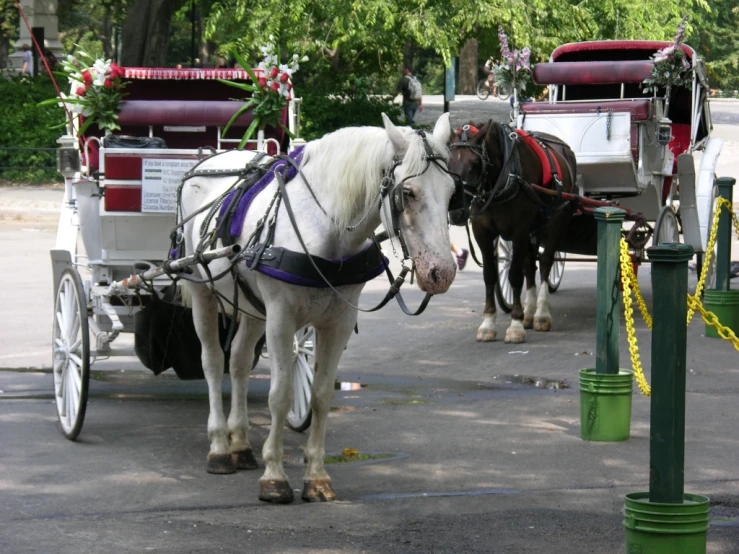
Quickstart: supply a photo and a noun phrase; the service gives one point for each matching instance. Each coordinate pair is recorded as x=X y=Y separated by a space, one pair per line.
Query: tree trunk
x=408 y=53
x=146 y=33
x=4 y=47
x=468 y=67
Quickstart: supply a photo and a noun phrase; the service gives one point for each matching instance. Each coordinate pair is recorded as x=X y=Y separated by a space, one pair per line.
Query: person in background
x=27 y=68
x=461 y=254
x=488 y=70
x=410 y=87
x=51 y=59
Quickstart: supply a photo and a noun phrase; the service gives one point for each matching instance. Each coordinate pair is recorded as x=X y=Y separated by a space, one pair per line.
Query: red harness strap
x=546 y=166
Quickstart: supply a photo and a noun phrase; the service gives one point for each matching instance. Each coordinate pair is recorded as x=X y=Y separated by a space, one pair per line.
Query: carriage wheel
x=555 y=274
x=483 y=90
x=304 y=359
x=667 y=227
x=71 y=353
x=503 y=289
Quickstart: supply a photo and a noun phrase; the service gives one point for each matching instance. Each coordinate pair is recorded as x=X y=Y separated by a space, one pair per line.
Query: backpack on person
x=414 y=88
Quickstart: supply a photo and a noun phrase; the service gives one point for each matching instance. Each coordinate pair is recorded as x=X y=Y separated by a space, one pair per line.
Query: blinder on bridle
x=459 y=207
x=392 y=194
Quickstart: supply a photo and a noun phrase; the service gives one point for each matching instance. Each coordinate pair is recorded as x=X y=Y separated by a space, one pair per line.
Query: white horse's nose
x=436 y=276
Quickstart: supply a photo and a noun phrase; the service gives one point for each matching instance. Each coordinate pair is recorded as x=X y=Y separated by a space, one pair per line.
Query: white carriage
x=119 y=210
x=629 y=151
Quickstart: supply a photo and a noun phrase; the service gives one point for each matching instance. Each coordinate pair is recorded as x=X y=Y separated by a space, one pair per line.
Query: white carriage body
x=597 y=107
x=121 y=203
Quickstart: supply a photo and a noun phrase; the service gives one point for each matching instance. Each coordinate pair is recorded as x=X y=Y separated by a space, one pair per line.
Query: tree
x=146 y=32
x=8 y=27
x=715 y=38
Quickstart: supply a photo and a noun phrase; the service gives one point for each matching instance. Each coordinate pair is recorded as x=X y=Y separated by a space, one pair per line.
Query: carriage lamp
x=67 y=157
x=664 y=131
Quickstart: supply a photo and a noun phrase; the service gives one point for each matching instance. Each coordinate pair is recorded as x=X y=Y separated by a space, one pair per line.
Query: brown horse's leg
x=485 y=238
x=529 y=301
x=516 y=333
x=556 y=232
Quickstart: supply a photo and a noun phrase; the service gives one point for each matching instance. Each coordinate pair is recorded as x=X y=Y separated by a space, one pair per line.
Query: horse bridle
x=392 y=194
x=478 y=185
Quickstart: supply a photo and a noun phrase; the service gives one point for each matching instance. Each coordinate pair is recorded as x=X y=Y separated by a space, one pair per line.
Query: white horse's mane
x=347 y=165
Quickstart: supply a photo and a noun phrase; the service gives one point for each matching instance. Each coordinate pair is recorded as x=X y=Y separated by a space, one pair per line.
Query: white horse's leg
x=486 y=330
x=529 y=307
x=330 y=343
x=542 y=318
x=205 y=317
x=273 y=485
x=241 y=362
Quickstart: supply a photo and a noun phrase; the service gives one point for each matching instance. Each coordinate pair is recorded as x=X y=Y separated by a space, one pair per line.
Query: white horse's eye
x=408 y=193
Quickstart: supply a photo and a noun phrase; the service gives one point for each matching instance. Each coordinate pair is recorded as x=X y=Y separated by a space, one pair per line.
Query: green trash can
x=659 y=528
x=605 y=405
x=725 y=304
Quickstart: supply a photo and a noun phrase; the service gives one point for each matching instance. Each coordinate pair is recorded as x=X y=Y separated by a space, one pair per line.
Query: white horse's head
x=421 y=201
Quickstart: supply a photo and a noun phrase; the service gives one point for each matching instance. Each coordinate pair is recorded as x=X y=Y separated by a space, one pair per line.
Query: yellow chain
x=627 y=277
x=721 y=202
x=710 y=319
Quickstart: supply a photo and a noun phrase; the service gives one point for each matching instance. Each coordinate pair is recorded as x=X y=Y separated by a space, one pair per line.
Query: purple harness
x=239 y=214
x=295 y=267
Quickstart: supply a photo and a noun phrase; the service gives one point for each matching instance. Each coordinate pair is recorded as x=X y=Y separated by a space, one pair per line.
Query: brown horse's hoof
x=244 y=459
x=486 y=335
x=220 y=464
x=528 y=323
x=542 y=323
x=276 y=492
x=318 y=490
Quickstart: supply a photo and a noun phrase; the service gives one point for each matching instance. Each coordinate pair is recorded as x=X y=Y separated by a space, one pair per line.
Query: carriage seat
x=640 y=109
x=592 y=73
x=182 y=113
x=197 y=121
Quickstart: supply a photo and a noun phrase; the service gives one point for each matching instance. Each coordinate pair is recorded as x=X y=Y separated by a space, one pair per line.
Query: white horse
x=336 y=203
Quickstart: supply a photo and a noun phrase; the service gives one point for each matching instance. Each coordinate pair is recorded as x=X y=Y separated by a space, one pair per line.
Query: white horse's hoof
x=514 y=337
x=221 y=464
x=528 y=322
x=276 y=492
x=542 y=323
x=486 y=335
x=244 y=459
x=318 y=490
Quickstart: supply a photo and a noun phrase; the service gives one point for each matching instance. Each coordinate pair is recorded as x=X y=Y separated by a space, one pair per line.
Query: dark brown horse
x=498 y=167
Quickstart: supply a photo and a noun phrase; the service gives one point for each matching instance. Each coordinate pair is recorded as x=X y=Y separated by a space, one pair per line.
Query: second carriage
x=650 y=155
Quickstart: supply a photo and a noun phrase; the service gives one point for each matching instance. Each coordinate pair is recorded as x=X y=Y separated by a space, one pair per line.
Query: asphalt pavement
x=482 y=441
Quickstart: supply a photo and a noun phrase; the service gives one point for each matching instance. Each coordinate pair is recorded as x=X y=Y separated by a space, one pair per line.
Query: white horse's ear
x=443 y=129
x=400 y=143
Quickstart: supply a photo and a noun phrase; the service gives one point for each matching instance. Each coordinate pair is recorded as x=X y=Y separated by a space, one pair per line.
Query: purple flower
x=505 y=50
x=681 y=30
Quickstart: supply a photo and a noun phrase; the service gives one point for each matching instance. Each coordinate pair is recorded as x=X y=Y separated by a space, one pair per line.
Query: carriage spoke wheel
x=304 y=358
x=667 y=227
x=503 y=289
x=557 y=271
x=71 y=353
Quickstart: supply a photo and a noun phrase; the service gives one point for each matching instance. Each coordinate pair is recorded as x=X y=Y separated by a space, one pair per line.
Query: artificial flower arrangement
x=515 y=68
x=96 y=90
x=671 y=66
x=270 y=88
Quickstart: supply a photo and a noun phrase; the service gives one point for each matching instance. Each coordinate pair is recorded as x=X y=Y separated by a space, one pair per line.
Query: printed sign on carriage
x=160 y=178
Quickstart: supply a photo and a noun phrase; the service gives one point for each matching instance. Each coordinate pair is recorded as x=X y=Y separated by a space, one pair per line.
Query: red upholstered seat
x=640 y=110
x=182 y=112
x=591 y=73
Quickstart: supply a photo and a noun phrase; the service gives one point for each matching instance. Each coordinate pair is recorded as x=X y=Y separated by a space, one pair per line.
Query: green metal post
x=669 y=335
x=723 y=236
x=607 y=314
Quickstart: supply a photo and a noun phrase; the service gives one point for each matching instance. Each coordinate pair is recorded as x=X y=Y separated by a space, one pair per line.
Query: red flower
x=81 y=91
x=86 y=77
x=262 y=82
x=115 y=70
x=275 y=86
x=284 y=77
x=108 y=83
x=274 y=72
x=289 y=86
